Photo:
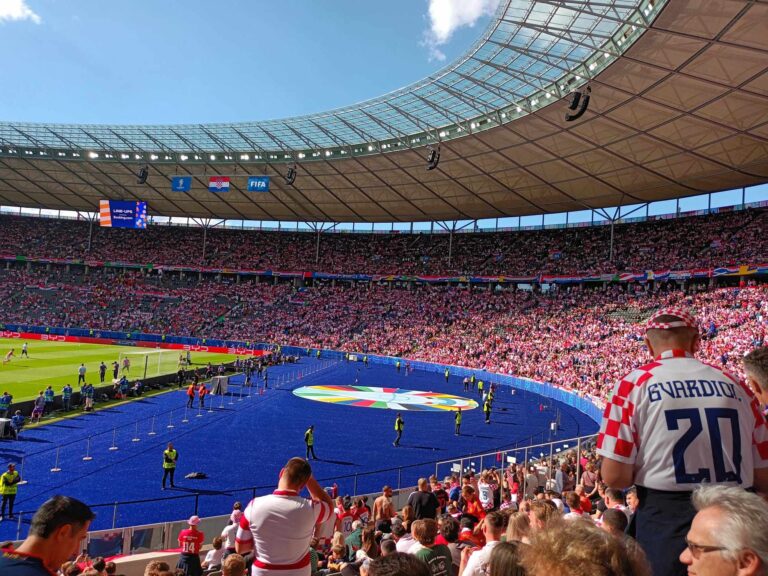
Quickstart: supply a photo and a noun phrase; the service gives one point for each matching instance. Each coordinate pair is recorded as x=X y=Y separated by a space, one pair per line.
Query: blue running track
x=245 y=438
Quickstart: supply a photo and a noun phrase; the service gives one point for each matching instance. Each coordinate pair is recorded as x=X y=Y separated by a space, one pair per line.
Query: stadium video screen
x=122 y=214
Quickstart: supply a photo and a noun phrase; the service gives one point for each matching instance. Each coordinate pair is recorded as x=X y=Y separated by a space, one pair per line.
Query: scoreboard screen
x=122 y=214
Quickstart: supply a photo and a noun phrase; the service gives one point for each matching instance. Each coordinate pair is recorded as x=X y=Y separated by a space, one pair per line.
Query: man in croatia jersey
x=279 y=526
x=676 y=423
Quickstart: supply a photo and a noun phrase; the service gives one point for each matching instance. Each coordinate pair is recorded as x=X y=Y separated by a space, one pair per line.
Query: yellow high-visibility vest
x=169 y=459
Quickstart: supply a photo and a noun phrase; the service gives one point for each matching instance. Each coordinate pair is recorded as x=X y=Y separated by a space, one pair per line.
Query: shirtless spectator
x=383 y=507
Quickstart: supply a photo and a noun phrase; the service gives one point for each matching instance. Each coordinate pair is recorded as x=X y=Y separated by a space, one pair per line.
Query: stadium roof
x=679 y=107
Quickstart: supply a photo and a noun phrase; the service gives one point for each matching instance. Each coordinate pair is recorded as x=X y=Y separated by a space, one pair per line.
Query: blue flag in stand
x=181 y=183
x=258 y=183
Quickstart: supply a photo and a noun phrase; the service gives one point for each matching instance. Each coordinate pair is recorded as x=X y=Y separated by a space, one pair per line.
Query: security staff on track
x=398 y=429
x=309 y=440
x=9 y=485
x=170 y=457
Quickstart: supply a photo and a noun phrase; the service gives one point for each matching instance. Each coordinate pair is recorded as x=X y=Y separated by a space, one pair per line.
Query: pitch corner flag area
x=57 y=363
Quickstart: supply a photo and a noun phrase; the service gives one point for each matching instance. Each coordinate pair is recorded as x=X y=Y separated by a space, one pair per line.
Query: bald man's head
x=682 y=338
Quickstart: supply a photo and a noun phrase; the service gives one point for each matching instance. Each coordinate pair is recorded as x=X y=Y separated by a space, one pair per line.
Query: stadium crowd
x=679 y=243
x=521 y=521
x=572 y=514
x=576 y=338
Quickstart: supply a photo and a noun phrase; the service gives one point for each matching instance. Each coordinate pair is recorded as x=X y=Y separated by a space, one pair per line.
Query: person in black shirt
x=423 y=502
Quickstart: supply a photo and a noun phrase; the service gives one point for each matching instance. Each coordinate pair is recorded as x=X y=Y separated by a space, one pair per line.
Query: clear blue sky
x=177 y=61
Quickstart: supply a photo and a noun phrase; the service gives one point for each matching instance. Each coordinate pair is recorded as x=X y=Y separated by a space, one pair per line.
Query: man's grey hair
x=756 y=363
x=745 y=519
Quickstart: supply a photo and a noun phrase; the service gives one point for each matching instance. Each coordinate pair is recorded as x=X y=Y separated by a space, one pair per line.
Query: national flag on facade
x=218 y=184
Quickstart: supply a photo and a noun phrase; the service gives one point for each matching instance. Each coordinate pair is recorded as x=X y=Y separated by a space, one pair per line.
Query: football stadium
x=508 y=318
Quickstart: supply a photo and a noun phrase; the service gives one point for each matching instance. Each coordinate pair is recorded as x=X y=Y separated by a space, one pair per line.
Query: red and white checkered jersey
x=281 y=525
x=681 y=423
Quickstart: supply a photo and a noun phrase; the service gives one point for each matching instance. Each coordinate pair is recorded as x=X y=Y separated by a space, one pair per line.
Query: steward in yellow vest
x=9 y=485
x=170 y=456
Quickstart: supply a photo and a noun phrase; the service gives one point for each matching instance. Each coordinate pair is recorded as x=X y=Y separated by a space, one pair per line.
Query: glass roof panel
x=529 y=46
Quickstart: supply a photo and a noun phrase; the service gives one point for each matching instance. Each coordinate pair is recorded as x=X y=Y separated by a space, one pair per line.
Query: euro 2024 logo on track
x=385 y=398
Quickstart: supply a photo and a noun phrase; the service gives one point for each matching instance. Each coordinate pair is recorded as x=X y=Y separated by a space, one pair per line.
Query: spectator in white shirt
x=475 y=562
x=228 y=535
x=403 y=539
x=213 y=558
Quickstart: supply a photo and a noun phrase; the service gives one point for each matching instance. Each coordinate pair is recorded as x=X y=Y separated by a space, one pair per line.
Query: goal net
x=147 y=363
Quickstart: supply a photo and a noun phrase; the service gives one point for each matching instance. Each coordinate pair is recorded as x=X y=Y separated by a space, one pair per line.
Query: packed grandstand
x=647 y=328
x=703 y=242
x=576 y=336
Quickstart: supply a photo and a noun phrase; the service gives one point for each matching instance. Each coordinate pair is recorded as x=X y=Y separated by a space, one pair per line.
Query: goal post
x=147 y=363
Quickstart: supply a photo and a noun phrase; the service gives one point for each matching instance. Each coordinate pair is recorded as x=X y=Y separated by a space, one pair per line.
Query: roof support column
x=451 y=229
x=205 y=241
x=610 y=250
x=319 y=228
x=205 y=223
x=91 y=219
x=612 y=219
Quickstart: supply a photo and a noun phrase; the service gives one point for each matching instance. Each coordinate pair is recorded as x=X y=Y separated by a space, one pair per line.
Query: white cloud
x=447 y=16
x=17 y=10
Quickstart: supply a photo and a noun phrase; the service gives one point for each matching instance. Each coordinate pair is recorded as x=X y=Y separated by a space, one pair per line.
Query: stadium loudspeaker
x=433 y=158
x=575 y=101
x=142 y=175
x=290 y=176
x=578 y=98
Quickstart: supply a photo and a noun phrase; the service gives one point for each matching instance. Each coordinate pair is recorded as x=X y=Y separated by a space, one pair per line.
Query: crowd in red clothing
x=680 y=243
x=576 y=338
x=579 y=337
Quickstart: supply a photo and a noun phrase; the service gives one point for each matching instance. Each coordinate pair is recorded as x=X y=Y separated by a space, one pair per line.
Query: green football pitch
x=56 y=363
